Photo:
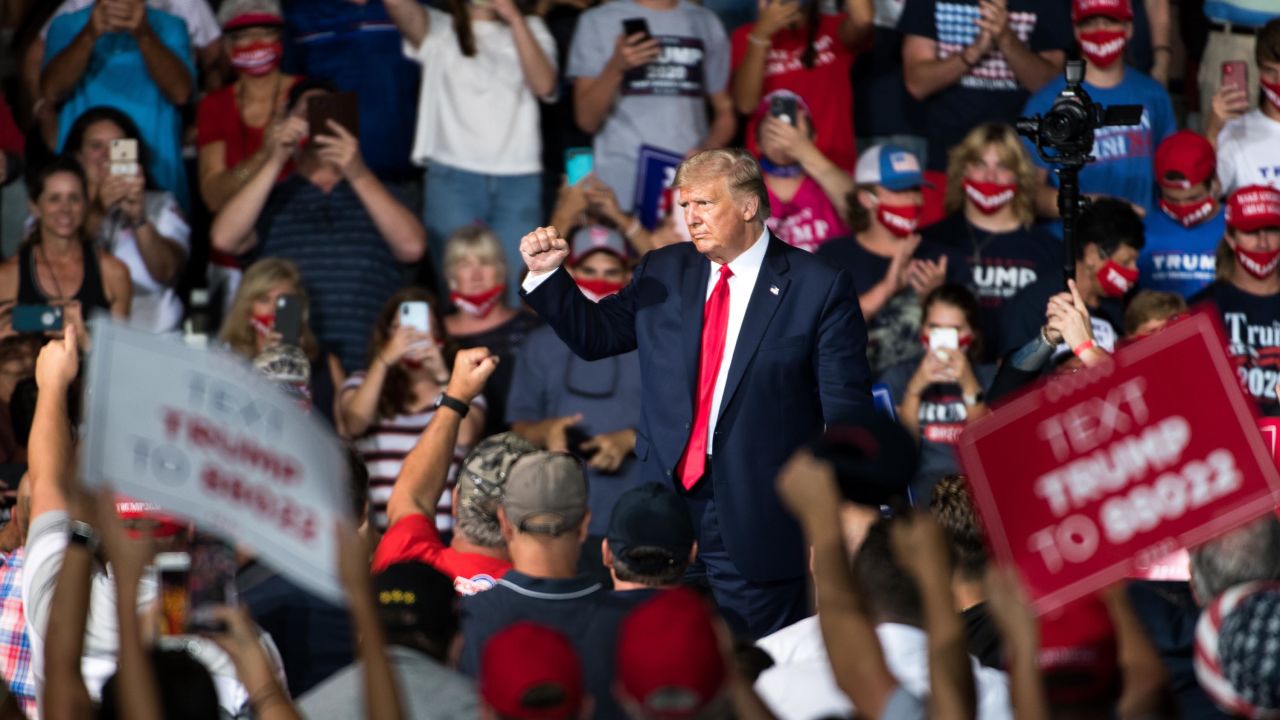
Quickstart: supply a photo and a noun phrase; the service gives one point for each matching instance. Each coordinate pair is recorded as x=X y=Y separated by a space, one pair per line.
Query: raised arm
x=232 y=230
x=411 y=20
x=1020 y=633
x=808 y=488
x=859 y=19
x=593 y=96
x=421 y=482
x=1145 y=688
x=925 y=74
x=1031 y=69
x=167 y=70
x=539 y=72
x=748 y=77
x=381 y=692
x=400 y=228
x=359 y=405
x=63 y=71
x=49 y=451
x=65 y=696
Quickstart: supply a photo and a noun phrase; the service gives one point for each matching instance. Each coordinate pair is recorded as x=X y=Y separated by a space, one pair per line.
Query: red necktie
x=715 y=321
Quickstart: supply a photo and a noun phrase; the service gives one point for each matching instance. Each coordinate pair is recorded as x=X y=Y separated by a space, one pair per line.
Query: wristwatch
x=452 y=403
x=82 y=533
x=974 y=399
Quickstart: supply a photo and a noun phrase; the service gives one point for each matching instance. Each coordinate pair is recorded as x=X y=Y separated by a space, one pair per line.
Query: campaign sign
x=655 y=171
x=1270 y=428
x=1090 y=477
x=204 y=436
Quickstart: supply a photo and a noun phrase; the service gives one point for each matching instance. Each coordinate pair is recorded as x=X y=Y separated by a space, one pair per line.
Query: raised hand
x=471 y=369
x=776 y=15
x=543 y=250
x=632 y=51
x=341 y=149
x=925 y=276
x=58 y=363
x=402 y=343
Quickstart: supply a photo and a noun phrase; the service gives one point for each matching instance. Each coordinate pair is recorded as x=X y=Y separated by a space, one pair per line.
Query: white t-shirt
x=1249 y=152
x=156 y=307
x=801 y=685
x=46 y=546
x=476 y=113
x=202 y=26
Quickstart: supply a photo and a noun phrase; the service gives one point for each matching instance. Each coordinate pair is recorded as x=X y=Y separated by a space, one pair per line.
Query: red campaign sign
x=1270 y=428
x=1089 y=477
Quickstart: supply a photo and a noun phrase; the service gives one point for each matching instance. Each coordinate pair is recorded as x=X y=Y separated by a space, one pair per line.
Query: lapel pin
x=773 y=289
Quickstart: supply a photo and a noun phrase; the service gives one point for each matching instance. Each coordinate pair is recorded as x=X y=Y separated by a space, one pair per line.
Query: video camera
x=1064 y=139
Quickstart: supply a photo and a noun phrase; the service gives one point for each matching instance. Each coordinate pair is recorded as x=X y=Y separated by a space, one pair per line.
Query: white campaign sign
x=204 y=436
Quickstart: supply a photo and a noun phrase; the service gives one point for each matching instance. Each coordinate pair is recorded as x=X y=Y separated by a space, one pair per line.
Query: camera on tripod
x=1068 y=128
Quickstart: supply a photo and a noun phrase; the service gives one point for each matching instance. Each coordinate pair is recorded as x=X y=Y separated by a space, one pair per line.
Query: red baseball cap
x=1188 y=154
x=669 y=657
x=530 y=671
x=138 y=510
x=1115 y=9
x=1078 y=653
x=1254 y=207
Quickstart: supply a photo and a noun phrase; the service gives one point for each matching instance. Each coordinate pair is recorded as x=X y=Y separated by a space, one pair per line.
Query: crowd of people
x=584 y=408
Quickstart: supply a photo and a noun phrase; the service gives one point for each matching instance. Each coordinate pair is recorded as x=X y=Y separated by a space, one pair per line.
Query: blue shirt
x=117 y=76
x=1125 y=154
x=550 y=381
x=1177 y=259
x=357 y=47
x=1251 y=13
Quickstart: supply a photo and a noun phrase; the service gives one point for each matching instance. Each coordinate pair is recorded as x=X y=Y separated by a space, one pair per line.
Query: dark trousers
x=752 y=609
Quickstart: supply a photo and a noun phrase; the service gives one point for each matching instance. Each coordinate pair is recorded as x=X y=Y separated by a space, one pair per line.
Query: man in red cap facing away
x=1183 y=235
x=531 y=672
x=1249 y=295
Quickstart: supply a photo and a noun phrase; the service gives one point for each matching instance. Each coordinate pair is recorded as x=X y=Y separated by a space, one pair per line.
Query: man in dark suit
x=747 y=347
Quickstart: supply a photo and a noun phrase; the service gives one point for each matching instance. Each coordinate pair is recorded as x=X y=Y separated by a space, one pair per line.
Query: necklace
x=978 y=245
x=52 y=275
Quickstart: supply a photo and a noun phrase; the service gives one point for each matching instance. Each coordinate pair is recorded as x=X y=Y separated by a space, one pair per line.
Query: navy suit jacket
x=800 y=362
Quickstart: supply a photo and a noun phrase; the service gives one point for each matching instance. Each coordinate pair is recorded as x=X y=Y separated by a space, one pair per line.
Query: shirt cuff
x=534 y=280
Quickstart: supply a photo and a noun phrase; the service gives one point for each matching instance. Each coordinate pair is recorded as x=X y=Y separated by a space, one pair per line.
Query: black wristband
x=82 y=533
x=453 y=404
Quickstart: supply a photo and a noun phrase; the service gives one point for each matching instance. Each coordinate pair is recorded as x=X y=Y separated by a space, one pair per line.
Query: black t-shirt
x=1022 y=319
x=1252 y=323
x=503 y=341
x=878 y=74
x=983 y=636
x=893 y=334
x=989 y=91
x=998 y=265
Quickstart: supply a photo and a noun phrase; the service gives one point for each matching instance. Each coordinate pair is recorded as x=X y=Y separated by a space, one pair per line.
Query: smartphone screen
x=211 y=582
x=173 y=568
x=631 y=26
x=1235 y=73
x=289 y=319
x=784 y=108
x=578 y=163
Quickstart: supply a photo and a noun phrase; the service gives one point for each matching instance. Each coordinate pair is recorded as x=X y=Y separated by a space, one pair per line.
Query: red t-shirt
x=826 y=87
x=218 y=119
x=414 y=538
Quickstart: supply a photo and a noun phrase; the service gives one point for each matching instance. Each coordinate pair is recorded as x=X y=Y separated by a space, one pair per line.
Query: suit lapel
x=693 y=290
x=771 y=287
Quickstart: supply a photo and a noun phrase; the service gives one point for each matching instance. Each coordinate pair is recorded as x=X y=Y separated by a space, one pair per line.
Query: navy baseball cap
x=653 y=517
x=890 y=166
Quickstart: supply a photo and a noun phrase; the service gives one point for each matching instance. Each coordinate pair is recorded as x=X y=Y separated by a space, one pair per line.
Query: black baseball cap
x=415 y=596
x=651 y=516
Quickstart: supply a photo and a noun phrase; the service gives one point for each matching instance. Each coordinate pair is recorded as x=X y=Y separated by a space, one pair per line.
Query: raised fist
x=543 y=250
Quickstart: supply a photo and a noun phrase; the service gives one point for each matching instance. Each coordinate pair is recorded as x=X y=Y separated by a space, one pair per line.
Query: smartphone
x=578 y=163
x=36 y=318
x=211 y=582
x=631 y=26
x=341 y=107
x=1235 y=73
x=944 y=338
x=417 y=315
x=784 y=108
x=173 y=569
x=289 y=319
x=123 y=155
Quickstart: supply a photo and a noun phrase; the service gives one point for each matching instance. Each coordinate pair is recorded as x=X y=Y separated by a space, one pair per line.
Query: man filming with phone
x=347 y=233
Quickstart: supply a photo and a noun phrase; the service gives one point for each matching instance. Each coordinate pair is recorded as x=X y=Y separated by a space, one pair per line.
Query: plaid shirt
x=15 y=647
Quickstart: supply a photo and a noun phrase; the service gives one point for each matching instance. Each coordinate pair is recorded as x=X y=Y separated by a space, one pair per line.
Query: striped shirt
x=347 y=267
x=384 y=447
x=15 y=646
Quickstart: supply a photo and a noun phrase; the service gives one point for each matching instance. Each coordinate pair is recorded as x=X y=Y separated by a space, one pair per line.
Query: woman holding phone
x=388 y=406
x=942 y=390
x=485 y=67
x=57 y=264
x=139 y=225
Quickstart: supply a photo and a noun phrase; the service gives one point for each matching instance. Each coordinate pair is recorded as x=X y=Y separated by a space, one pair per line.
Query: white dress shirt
x=746 y=268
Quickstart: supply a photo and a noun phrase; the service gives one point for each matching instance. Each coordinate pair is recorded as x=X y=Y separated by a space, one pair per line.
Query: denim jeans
x=510 y=205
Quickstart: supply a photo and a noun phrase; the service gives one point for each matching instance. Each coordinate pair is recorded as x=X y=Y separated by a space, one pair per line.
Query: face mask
x=257 y=59
x=783 y=171
x=481 y=304
x=597 y=289
x=901 y=220
x=1115 y=279
x=1188 y=214
x=989 y=197
x=263 y=324
x=1102 y=47
x=1272 y=91
x=1258 y=264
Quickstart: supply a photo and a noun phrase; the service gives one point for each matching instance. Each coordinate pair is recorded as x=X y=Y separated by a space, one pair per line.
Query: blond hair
x=1012 y=154
x=238 y=334
x=1150 y=305
x=736 y=166
x=477 y=241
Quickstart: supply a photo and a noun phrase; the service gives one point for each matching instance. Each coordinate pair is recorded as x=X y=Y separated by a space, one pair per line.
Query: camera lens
x=1064 y=124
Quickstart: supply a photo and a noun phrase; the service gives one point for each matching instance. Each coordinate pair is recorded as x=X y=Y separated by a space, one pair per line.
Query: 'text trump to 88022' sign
x=1090 y=475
